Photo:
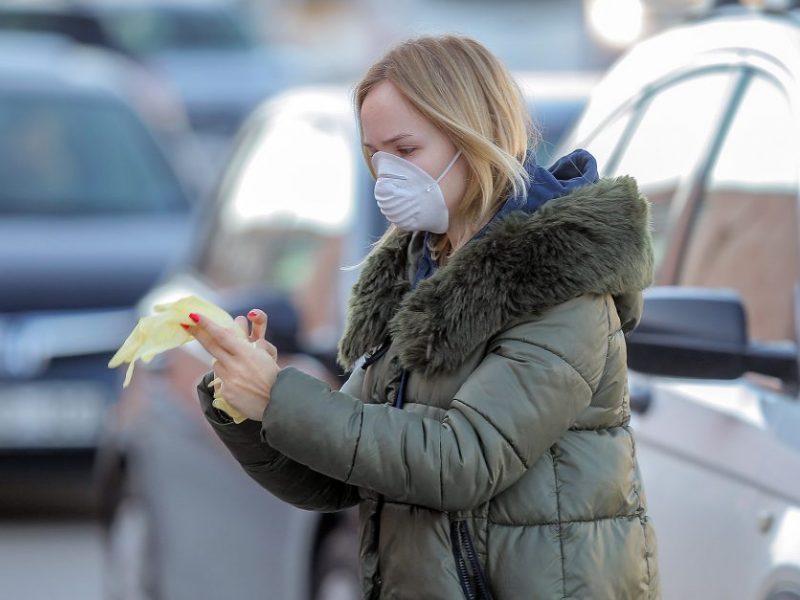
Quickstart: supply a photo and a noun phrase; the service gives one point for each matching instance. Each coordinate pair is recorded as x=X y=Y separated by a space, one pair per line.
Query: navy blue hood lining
x=576 y=169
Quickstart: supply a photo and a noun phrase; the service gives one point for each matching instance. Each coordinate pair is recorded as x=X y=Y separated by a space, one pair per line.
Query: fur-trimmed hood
x=595 y=239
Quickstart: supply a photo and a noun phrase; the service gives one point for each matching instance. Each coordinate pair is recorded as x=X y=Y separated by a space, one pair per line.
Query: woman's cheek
x=454 y=186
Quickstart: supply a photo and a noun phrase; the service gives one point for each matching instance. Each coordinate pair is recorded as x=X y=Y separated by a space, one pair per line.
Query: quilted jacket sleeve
x=285 y=478
x=534 y=381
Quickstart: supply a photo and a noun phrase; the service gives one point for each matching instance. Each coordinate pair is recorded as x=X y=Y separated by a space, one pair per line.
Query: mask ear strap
x=449 y=166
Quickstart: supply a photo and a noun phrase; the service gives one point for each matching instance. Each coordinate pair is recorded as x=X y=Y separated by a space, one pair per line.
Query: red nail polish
x=184 y=325
x=252 y=313
x=194 y=317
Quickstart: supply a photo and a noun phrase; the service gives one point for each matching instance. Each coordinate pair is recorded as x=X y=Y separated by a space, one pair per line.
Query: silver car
x=707 y=118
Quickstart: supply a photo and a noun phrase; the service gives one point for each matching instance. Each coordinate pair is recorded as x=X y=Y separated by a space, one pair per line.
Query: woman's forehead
x=386 y=113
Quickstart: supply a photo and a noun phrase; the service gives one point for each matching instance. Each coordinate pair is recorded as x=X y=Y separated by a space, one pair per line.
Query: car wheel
x=337 y=574
x=128 y=551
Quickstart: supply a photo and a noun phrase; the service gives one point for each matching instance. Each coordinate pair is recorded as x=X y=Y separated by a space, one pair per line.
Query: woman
x=483 y=431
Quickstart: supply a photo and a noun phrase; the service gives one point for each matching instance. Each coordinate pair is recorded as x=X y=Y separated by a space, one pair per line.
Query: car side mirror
x=702 y=333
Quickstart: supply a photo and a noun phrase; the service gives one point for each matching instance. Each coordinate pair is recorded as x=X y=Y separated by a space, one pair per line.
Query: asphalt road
x=45 y=557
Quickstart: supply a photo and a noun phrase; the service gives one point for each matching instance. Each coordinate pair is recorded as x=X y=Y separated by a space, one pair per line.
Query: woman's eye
x=405 y=151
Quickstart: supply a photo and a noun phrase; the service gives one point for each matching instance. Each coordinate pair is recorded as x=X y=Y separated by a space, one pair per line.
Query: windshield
x=79 y=155
x=153 y=30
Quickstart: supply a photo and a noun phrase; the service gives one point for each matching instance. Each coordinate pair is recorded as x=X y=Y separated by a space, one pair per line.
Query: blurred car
x=555 y=101
x=706 y=118
x=174 y=497
x=90 y=214
x=207 y=51
x=147 y=93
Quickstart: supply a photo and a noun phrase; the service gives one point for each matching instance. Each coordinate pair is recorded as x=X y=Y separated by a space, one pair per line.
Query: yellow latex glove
x=161 y=332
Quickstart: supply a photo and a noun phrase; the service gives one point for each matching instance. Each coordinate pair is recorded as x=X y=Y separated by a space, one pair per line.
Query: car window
x=150 y=30
x=675 y=127
x=744 y=234
x=84 y=29
x=285 y=214
x=604 y=142
x=75 y=154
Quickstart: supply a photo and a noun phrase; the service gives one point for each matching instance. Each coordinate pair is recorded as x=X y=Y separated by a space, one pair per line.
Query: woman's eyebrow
x=392 y=140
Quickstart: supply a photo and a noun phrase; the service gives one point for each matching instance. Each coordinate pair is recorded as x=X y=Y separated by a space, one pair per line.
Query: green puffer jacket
x=510 y=472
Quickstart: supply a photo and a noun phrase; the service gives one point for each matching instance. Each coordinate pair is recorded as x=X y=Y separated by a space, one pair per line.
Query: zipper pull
x=376 y=355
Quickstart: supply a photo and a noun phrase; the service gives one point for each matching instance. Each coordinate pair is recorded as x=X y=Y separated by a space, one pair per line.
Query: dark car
x=90 y=214
x=706 y=117
x=174 y=496
x=208 y=52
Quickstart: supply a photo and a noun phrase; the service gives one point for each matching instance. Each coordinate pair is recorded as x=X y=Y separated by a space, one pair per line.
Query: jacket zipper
x=460 y=536
x=461 y=566
x=380 y=351
x=472 y=556
x=400 y=398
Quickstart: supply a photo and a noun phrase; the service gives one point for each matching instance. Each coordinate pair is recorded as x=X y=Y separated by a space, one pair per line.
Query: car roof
x=330 y=102
x=98 y=7
x=557 y=85
x=336 y=99
x=52 y=63
x=329 y=98
x=729 y=37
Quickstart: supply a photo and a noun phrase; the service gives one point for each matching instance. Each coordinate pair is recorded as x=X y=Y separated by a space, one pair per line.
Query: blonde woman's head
x=431 y=96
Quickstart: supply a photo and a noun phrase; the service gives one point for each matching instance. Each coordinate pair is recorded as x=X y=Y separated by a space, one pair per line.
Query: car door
x=707 y=455
x=742 y=235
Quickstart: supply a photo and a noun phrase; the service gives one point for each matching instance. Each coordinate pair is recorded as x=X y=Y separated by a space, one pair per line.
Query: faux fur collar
x=595 y=239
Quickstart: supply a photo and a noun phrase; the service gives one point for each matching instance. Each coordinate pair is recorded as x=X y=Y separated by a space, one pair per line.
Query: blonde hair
x=468 y=94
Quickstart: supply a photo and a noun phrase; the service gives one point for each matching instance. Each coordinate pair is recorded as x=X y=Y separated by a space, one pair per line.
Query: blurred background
x=153 y=149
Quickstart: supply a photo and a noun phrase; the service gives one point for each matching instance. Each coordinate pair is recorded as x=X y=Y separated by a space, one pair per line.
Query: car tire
x=129 y=551
x=336 y=572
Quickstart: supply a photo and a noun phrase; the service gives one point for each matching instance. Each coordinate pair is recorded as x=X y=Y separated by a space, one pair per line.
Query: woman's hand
x=246 y=370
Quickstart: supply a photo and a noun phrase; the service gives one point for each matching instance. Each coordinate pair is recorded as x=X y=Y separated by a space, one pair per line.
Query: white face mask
x=408 y=196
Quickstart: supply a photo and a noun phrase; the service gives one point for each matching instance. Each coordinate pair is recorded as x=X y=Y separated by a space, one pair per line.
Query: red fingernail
x=194 y=317
x=185 y=326
x=252 y=313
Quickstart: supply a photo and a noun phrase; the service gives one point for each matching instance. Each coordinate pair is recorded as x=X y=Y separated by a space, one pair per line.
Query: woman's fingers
x=216 y=383
x=271 y=350
x=259 y=320
x=218 y=341
x=222 y=343
x=242 y=323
